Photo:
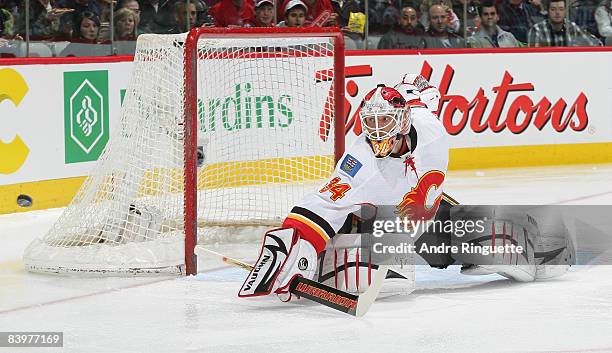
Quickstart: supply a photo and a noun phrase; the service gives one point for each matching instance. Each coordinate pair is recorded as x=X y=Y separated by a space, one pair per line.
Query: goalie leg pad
x=503 y=227
x=344 y=265
x=548 y=247
x=347 y=265
x=283 y=256
x=554 y=249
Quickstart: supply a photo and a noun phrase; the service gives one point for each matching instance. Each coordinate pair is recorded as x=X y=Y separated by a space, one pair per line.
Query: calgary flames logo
x=415 y=205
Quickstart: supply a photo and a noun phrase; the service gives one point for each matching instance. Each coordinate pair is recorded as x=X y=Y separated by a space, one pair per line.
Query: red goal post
x=191 y=108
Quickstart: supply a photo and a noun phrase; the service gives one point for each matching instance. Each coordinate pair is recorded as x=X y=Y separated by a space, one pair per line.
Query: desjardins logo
x=85 y=115
x=245 y=110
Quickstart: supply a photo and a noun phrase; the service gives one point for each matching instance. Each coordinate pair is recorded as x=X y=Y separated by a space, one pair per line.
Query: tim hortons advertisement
x=500 y=99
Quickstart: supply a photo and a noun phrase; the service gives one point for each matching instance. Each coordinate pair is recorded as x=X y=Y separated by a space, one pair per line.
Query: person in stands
x=86 y=37
x=518 y=16
x=603 y=17
x=126 y=25
x=264 y=15
x=439 y=34
x=490 y=34
x=156 y=16
x=557 y=31
x=86 y=28
x=295 y=14
x=407 y=35
x=320 y=12
x=232 y=13
x=185 y=17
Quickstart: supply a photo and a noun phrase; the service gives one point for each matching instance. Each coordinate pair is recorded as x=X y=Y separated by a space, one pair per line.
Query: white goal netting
x=261 y=105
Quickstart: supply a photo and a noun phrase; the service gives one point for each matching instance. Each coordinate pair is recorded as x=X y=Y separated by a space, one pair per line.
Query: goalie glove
x=415 y=88
x=283 y=256
x=431 y=97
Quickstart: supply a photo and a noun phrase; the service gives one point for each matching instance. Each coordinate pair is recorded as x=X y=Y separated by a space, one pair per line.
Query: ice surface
x=448 y=312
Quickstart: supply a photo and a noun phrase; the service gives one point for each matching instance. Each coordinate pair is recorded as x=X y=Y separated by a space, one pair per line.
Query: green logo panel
x=85 y=115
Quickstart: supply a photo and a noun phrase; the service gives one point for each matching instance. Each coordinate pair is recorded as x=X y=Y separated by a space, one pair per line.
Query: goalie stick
x=356 y=305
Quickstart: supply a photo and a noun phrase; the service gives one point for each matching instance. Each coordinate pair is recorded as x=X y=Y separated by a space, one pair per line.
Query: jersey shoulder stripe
x=315 y=218
x=311 y=226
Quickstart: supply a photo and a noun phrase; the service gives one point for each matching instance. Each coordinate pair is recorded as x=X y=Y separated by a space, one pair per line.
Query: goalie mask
x=384 y=119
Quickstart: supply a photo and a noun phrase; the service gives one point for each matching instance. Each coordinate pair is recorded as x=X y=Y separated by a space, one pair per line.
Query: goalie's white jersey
x=414 y=179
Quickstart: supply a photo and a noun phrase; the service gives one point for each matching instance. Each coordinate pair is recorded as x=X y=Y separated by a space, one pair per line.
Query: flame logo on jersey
x=415 y=205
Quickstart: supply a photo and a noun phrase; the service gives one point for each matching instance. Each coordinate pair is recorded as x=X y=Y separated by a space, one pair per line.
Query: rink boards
x=501 y=109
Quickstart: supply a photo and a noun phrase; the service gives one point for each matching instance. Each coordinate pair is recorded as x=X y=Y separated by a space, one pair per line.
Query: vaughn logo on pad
x=85 y=115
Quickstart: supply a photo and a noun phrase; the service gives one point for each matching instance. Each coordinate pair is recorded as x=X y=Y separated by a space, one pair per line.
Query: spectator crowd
x=391 y=24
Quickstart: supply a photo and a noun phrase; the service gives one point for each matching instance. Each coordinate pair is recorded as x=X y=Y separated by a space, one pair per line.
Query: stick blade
x=369 y=296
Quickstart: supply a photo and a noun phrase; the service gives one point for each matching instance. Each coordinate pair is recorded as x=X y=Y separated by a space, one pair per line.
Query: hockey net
x=219 y=128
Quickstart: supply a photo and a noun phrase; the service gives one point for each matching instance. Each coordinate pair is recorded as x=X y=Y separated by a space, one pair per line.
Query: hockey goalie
x=400 y=159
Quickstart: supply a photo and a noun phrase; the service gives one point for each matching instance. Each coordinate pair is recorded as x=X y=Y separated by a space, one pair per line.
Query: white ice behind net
x=259 y=109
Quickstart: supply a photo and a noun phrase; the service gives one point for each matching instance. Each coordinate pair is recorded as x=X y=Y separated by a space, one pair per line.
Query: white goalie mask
x=384 y=118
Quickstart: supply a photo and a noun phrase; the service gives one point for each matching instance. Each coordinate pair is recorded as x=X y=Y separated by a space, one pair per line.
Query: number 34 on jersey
x=337 y=189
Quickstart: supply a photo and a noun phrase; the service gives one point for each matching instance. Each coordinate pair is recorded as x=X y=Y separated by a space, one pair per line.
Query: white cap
x=293 y=3
x=261 y=2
